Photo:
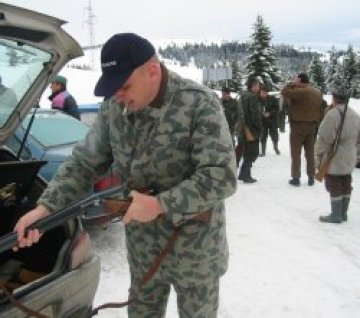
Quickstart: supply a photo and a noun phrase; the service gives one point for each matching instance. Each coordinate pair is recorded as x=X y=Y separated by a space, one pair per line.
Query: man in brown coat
x=305 y=113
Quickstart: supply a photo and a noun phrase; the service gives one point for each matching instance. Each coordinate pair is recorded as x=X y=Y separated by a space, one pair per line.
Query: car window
x=20 y=64
x=52 y=129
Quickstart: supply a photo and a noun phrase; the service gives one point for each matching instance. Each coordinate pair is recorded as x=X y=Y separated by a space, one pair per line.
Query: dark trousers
x=281 y=120
x=269 y=128
x=250 y=154
x=302 y=134
x=338 y=186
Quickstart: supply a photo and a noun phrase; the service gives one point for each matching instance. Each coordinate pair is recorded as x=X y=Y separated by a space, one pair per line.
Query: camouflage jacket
x=183 y=151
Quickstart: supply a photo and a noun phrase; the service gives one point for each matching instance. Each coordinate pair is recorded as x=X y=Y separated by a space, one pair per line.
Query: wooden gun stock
x=322 y=171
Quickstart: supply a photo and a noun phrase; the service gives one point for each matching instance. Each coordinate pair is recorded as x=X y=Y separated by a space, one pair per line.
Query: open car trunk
x=19 y=190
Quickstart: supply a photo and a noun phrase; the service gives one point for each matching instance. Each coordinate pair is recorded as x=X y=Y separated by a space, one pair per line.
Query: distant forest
x=289 y=60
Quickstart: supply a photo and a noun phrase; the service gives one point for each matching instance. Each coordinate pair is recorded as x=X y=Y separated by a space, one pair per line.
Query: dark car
x=58 y=277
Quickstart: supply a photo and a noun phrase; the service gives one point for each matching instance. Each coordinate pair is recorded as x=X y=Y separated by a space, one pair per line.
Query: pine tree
x=331 y=69
x=235 y=83
x=350 y=70
x=261 y=61
x=316 y=73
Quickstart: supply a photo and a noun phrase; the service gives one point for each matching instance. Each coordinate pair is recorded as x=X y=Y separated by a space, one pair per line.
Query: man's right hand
x=32 y=236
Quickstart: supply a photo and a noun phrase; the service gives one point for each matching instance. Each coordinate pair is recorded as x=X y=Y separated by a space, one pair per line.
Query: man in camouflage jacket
x=169 y=135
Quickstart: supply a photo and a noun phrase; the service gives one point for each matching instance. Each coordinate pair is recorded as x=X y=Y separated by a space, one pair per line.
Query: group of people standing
x=328 y=134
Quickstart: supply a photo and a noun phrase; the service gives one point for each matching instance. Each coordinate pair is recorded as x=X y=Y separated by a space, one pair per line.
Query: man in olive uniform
x=233 y=113
x=170 y=135
x=252 y=121
x=305 y=113
x=269 y=111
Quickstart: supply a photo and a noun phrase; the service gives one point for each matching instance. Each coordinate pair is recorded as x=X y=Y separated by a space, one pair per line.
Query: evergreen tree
x=261 y=61
x=316 y=73
x=331 y=69
x=350 y=70
x=235 y=83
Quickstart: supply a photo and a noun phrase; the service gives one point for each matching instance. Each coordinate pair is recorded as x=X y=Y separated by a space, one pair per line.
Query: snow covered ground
x=284 y=263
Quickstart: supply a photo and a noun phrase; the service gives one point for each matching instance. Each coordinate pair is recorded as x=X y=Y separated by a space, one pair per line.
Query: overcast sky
x=309 y=23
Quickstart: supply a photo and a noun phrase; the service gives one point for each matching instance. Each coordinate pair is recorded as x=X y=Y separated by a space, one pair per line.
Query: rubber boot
x=263 y=149
x=277 y=151
x=346 y=202
x=336 y=215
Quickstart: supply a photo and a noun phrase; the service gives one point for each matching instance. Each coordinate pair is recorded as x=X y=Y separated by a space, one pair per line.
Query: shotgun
x=70 y=212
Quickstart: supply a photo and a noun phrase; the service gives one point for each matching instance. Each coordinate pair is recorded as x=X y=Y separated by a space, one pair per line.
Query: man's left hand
x=143 y=208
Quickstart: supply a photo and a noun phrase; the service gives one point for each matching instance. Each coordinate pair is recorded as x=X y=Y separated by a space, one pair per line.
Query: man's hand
x=143 y=208
x=26 y=220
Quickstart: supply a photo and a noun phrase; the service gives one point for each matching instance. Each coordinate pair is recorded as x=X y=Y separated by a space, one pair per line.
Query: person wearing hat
x=234 y=117
x=269 y=111
x=251 y=132
x=169 y=135
x=305 y=111
x=338 y=176
x=61 y=99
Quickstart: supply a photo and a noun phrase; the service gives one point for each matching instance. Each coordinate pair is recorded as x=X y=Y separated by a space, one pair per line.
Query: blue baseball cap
x=120 y=56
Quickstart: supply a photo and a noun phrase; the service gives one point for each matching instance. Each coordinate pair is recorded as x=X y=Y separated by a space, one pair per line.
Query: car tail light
x=106 y=183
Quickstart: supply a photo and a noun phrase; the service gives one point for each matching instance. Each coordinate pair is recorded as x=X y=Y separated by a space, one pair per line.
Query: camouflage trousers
x=199 y=301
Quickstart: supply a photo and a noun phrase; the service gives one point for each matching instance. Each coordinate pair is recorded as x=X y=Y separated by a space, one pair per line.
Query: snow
x=284 y=263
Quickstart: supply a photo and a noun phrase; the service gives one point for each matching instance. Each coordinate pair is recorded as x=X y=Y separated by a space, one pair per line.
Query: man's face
x=138 y=91
x=255 y=87
x=55 y=87
x=225 y=95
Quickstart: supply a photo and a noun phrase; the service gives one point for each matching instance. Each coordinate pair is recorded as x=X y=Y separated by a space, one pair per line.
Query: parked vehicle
x=57 y=277
x=51 y=136
x=88 y=112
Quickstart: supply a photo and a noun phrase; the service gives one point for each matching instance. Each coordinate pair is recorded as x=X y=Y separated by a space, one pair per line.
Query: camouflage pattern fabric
x=183 y=151
x=201 y=301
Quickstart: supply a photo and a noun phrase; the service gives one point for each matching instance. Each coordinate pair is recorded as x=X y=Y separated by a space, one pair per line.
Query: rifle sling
x=203 y=217
x=25 y=309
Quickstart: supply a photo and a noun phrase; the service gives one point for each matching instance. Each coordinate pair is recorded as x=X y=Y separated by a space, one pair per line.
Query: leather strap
x=30 y=312
x=150 y=273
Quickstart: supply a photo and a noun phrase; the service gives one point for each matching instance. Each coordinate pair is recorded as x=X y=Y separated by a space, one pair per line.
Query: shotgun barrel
x=59 y=217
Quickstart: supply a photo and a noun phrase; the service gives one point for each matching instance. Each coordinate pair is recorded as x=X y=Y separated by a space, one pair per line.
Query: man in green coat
x=167 y=134
x=252 y=122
